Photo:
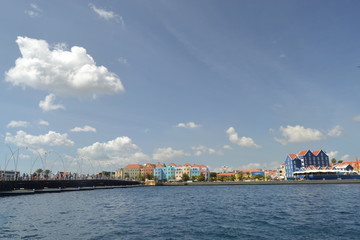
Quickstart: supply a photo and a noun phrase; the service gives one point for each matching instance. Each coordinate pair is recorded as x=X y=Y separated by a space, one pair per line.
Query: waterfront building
x=119 y=173
x=147 y=170
x=178 y=172
x=132 y=171
x=186 y=169
x=170 y=171
x=304 y=159
x=354 y=164
x=160 y=172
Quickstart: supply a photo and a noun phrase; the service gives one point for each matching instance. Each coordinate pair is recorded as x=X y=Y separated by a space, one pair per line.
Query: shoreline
x=345 y=181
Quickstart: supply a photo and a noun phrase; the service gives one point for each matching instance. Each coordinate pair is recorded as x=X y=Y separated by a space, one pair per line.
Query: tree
x=340 y=161
x=239 y=176
x=201 y=178
x=259 y=177
x=47 y=172
x=333 y=161
x=213 y=176
x=38 y=172
x=185 y=177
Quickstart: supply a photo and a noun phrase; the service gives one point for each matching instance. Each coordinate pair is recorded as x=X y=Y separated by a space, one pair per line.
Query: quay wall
x=344 y=181
x=41 y=184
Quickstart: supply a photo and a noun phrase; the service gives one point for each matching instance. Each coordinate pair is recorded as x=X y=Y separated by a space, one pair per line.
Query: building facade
x=304 y=159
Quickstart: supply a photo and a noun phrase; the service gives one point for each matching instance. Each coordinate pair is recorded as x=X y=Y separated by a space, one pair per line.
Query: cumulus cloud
x=121 y=150
x=243 y=141
x=332 y=154
x=335 y=131
x=107 y=15
x=34 y=11
x=62 y=72
x=163 y=154
x=22 y=139
x=86 y=128
x=188 y=125
x=200 y=150
x=292 y=134
x=49 y=105
x=17 y=124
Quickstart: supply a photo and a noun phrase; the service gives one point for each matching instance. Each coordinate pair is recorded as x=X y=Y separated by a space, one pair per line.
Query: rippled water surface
x=188 y=212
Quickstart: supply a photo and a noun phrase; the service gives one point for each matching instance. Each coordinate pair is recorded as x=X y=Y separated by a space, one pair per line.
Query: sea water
x=314 y=211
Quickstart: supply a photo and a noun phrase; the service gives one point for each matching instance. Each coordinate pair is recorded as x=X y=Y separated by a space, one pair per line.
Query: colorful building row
x=163 y=171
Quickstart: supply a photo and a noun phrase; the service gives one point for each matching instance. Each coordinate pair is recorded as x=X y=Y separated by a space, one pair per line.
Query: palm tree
x=38 y=172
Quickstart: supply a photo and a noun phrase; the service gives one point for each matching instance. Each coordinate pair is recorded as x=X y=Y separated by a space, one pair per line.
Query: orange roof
x=133 y=166
x=159 y=165
x=203 y=166
x=302 y=153
x=316 y=152
x=187 y=164
x=195 y=165
x=178 y=166
x=172 y=164
x=292 y=156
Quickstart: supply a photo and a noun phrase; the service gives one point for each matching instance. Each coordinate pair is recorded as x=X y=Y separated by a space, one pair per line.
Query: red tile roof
x=302 y=153
x=316 y=152
x=134 y=166
x=159 y=165
x=172 y=164
x=292 y=156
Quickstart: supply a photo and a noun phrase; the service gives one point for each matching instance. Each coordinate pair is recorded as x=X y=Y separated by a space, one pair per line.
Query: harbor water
x=314 y=211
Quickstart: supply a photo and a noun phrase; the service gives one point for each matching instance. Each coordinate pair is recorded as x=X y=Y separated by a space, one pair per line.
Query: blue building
x=304 y=159
x=160 y=172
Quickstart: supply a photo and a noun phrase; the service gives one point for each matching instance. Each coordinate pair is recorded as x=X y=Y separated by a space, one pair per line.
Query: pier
x=10 y=188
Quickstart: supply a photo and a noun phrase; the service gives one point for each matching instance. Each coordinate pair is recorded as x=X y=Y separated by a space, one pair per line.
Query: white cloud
x=86 y=128
x=292 y=134
x=356 y=118
x=107 y=15
x=22 y=139
x=48 y=103
x=332 y=154
x=34 y=11
x=118 y=151
x=65 y=73
x=227 y=147
x=188 y=125
x=346 y=157
x=162 y=154
x=335 y=131
x=43 y=123
x=243 y=141
x=200 y=150
x=17 y=124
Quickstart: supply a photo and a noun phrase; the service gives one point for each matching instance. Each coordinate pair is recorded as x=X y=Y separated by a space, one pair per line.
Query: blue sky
x=95 y=85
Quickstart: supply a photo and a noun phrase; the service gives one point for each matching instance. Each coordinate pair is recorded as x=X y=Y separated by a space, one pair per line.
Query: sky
x=88 y=86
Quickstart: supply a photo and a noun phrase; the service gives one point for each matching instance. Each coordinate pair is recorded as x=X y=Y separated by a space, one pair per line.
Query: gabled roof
x=187 y=165
x=160 y=165
x=302 y=153
x=316 y=152
x=172 y=164
x=292 y=156
x=134 y=166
